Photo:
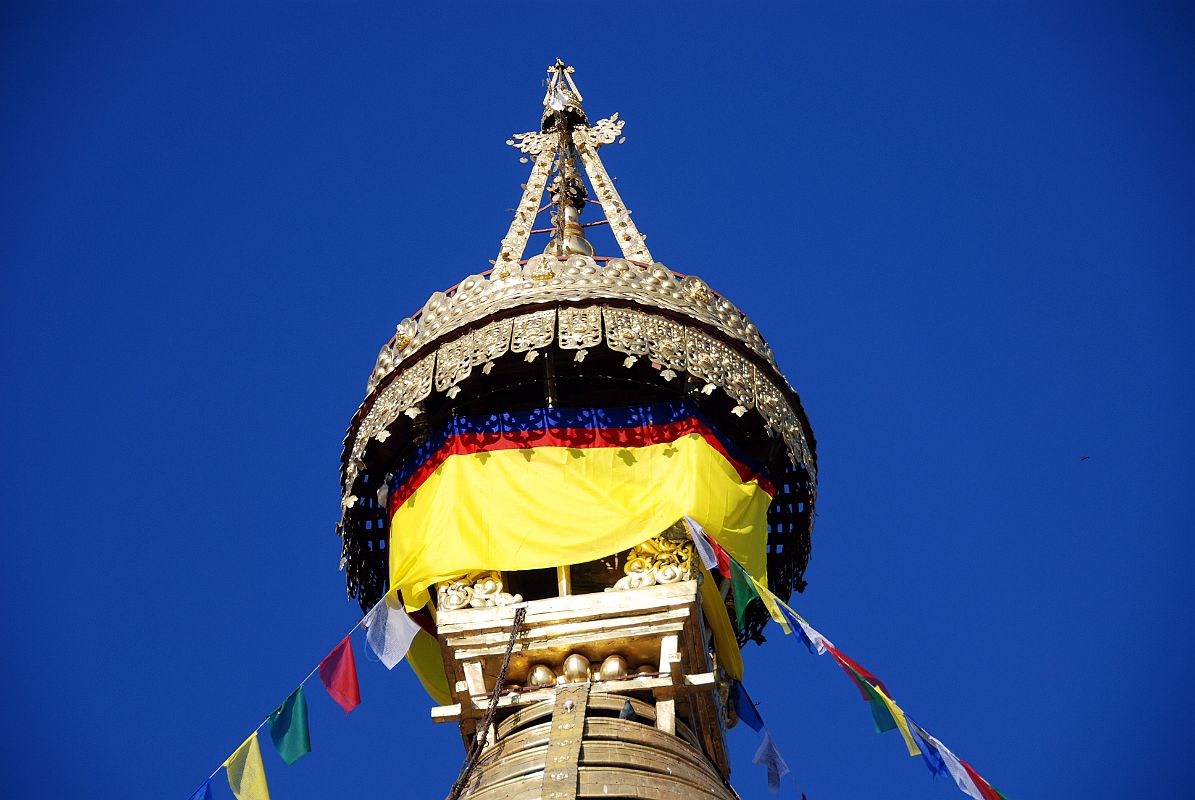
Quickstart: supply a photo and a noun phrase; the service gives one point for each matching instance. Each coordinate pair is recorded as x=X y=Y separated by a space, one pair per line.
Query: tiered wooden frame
x=658 y=625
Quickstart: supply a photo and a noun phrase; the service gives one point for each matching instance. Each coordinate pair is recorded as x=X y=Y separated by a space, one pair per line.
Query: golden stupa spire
x=567 y=623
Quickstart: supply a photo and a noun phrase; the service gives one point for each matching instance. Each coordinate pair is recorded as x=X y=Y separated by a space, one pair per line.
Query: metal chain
x=471 y=759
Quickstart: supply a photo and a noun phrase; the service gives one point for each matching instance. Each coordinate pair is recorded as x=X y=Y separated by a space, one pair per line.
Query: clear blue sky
x=965 y=228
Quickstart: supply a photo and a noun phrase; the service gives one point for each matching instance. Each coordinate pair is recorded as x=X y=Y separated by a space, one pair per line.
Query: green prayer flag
x=744 y=592
x=880 y=713
x=879 y=709
x=288 y=727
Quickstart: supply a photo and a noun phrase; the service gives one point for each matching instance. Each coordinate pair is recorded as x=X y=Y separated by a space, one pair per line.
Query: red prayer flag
x=723 y=559
x=848 y=664
x=338 y=671
x=984 y=787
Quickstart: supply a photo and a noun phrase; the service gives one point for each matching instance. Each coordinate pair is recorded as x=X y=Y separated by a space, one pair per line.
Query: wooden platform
x=659 y=630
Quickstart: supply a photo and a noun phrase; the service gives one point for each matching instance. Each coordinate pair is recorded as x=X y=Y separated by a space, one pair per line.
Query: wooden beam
x=666 y=715
x=670 y=660
x=475 y=680
x=446 y=713
x=614 y=637
x=535 y=632
x=577 y=606
x=698 y=684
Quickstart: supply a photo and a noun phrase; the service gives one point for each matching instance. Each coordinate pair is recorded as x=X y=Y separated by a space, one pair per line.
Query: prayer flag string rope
x=390 y=633
x=886 y=713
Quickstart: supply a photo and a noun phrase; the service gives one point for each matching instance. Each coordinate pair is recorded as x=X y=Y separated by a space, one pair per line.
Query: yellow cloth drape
x=540 y=507
x=548 y=506
x=428 y=666
x=713 y=607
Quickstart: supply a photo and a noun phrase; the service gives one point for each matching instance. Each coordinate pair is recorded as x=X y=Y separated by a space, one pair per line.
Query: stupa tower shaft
x=536 y=451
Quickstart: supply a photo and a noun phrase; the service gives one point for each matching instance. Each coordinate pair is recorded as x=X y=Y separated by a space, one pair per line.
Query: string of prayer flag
x=702 y=544
x=338 y=671
x=246 y=773
x=288 y=727
x=768 y=755
x=814 y=642
x=933 y=759
x=744 y=592
x=885 y=712
x=859 y=675
x=984 y=787
x=769 y=601
x=770 y=758
x=392 y=633
x=744 y=707
x=712 y=553
x=389 y=631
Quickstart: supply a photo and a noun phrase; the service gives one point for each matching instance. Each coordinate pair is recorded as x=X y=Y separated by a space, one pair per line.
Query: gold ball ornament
x=576 y=668
x=541 y=675
x=613 y=668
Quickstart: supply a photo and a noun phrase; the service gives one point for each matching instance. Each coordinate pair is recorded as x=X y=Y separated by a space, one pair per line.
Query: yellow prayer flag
x=246 y=773
x=901 y=723
x=769 y=602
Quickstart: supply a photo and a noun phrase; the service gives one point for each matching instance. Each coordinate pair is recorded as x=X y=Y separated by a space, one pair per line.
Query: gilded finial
x=562 y=100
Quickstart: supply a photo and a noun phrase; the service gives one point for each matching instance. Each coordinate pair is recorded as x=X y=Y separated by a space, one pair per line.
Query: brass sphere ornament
x=541 y=675
x=576 y=668
x=613 y=668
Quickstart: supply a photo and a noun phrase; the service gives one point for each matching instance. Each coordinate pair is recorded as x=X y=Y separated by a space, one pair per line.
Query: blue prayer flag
x=744 y=707
x=799 y=629
x=933 y=759
x=203 y=792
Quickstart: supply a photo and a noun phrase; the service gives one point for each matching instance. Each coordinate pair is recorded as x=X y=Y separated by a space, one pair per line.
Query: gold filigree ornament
x=404 y=333
x=674 y=346
x=474 y=590
x=660 y=560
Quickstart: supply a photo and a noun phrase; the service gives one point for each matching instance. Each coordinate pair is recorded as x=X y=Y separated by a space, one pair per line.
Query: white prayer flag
x=818 y=640
x=389 y=630
x=955 y=768
x=697 y=534
x=770 y=757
